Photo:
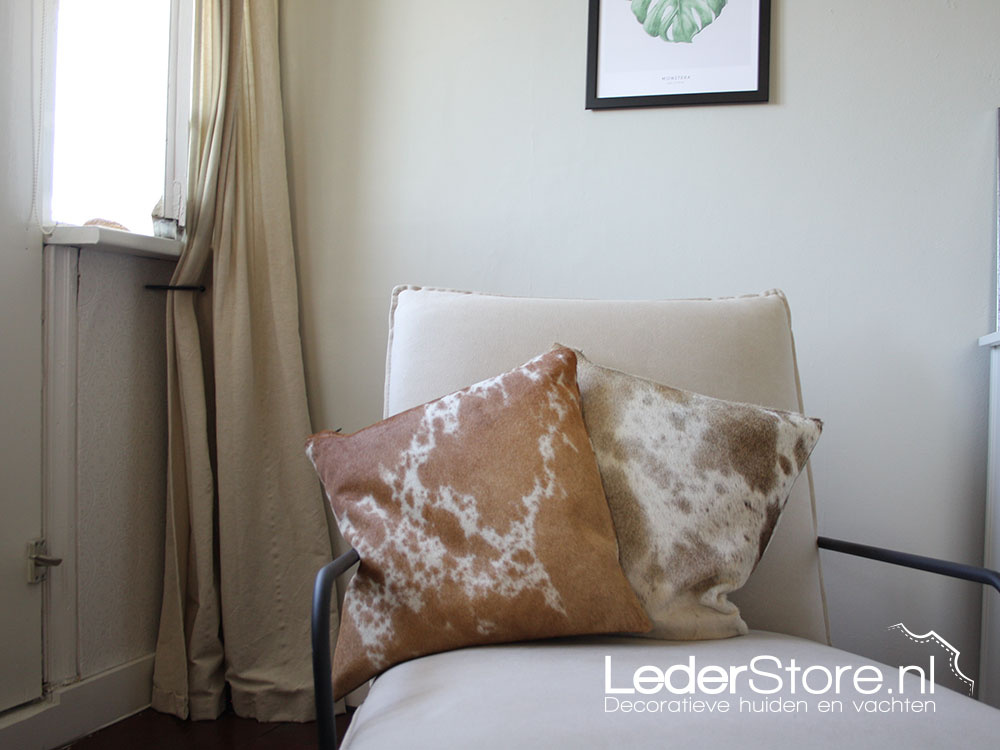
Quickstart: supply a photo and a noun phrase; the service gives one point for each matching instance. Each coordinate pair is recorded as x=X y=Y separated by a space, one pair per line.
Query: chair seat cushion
x=551 y=694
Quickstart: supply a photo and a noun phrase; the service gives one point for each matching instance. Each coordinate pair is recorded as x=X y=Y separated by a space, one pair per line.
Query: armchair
x=582 y=691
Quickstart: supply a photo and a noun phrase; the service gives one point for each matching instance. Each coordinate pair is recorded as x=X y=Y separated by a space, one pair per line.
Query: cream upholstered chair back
x=738 y=348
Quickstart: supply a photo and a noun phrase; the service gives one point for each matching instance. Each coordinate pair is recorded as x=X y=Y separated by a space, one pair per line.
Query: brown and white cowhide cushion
x=479 y=518
x=696 y=486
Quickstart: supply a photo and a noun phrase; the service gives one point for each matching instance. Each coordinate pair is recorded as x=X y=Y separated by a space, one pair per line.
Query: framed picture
x=652 y=53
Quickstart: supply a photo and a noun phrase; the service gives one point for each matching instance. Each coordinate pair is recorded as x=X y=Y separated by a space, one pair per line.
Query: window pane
x=110 y=111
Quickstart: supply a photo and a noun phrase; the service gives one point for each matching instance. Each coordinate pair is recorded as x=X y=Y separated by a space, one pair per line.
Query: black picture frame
x=660 y=98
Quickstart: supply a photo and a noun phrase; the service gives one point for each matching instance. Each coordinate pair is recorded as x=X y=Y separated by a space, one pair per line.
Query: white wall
x=445 y=143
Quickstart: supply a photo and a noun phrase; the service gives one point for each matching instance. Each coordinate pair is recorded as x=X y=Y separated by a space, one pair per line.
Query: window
x=122 y=83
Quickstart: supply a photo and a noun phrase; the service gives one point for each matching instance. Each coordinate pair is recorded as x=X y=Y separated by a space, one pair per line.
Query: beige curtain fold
x=246 y=523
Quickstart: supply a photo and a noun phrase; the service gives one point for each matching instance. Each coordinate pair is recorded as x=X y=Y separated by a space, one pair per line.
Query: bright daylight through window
x=116 y=88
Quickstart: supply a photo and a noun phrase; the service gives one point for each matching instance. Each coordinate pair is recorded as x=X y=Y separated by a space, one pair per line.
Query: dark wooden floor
x=151 y=730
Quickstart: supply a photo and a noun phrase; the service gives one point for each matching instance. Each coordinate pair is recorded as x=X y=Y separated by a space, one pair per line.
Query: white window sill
x=115 y=241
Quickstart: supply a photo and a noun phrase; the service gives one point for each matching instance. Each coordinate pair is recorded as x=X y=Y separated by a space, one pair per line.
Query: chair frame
x=321 y=654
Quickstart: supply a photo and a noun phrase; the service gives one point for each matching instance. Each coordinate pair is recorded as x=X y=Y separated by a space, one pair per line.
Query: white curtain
x=246 y=522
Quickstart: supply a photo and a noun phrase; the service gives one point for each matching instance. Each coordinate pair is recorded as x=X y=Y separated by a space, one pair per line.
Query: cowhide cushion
x=696 y=486
x=479 y=518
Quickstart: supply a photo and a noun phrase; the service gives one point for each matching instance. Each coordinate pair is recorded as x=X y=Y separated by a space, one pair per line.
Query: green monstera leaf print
x=676 y=20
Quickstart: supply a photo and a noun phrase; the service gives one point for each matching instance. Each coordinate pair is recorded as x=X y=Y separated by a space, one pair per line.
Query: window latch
x=39 y=561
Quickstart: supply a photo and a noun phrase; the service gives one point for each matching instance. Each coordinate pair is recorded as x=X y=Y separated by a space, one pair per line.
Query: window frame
x=178 y=110
x=177 y=91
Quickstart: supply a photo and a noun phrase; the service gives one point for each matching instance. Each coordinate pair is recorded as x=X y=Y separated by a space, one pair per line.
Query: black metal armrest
x=931 y=564
x=322 y=668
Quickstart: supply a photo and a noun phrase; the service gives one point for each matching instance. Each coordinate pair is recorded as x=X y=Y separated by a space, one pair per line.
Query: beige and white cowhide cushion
x=696 y=486
x=479 y=518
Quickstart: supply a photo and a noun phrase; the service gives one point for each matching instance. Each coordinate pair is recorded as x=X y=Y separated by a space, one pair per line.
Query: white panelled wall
x=445 y=143
x=104 y=491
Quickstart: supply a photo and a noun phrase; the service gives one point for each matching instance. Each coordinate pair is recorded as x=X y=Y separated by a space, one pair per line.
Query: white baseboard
x=76 y=710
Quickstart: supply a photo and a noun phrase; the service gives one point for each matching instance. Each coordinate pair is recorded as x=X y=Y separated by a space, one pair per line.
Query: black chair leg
x=321 y=657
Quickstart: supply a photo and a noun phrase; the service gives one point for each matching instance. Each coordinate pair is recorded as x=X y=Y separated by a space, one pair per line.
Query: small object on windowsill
x=166 y=228
x=162 y=226
x=106 y=223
